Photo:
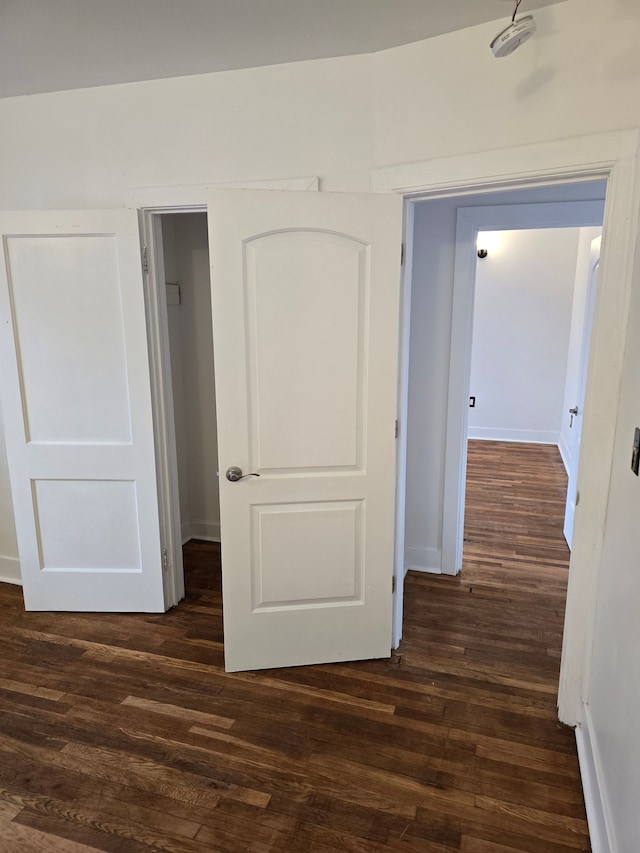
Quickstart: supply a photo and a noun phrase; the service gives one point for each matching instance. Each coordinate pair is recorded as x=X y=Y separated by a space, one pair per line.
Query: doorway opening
x=444 y=250
x=534 y=296
x=190 y=344
x=183 y=383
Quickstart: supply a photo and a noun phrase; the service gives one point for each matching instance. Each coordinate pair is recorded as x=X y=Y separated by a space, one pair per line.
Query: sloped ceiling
x=50 y=45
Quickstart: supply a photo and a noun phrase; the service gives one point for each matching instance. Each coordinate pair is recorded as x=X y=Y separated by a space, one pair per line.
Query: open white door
x=77 y=410
x=305 y=298
x=577 y=411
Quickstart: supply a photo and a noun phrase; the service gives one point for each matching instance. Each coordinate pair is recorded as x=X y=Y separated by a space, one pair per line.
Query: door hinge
x=396 y=430
x=165 y=560
x=145 y=261
x=401 y=254
x=393 y=583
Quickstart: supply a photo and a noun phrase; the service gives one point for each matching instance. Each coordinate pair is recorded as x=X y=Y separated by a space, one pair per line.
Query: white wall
x=431 y=307
x=307 y=118
x=336 y=119
x=521 y=324
x=191 y=342
x=576 y=341
x=445 y=96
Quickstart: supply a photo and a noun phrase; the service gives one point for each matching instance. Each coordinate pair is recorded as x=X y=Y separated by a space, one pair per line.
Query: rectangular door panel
x=87 y=525
x=323 y=563
x=306 y=297
x=66 y=290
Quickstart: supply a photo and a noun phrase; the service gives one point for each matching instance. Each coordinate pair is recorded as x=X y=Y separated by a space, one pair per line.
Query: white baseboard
x=564 y=452
x=594 y=794
x=10 y=570
x=186 y=531
x=207 y=530
x=423 y=560
x=528 y=436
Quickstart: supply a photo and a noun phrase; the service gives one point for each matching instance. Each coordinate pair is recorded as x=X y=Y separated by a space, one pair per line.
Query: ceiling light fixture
x=514 y=35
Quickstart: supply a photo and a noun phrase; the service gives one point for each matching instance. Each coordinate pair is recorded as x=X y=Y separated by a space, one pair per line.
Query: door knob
x=234 y=474
x=573 y=411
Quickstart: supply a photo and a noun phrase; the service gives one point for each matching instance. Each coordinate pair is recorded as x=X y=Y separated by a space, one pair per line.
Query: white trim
x=10 y=570
x=188 y=196
x=564 y=452
x=400 y=565
x=602 y=403
x=424 y=560
x=207 y=530
x=186 y=531
x=162 y=407
x=613 y=156
x=595 y=799
x=524 y=436
x=470 y=220
x=575 y=159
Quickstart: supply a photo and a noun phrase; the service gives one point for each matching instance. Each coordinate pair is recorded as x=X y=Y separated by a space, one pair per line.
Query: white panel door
x=305 y=298
x=77 y=410
x=577 y=411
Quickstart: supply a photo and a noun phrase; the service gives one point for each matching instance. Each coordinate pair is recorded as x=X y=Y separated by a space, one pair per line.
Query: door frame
x=152 y=203
x=399 y=564
x=613 y=157
x=162 y=395
x=471 y=220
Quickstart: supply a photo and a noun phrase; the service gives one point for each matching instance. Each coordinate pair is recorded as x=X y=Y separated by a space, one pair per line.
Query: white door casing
x=403 y=409
x=77 y=410
x=305 y=301
x=577 y=417
x=615 y=156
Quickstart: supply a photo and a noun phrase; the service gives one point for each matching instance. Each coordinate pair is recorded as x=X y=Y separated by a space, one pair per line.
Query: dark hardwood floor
x=123 y=733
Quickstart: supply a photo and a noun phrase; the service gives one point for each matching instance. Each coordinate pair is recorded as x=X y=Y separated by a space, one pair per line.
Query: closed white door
x=576 y=412
x=76 y=404
x=305 y=299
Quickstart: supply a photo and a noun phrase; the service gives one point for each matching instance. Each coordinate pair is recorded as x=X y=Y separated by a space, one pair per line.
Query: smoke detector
x=514 y=35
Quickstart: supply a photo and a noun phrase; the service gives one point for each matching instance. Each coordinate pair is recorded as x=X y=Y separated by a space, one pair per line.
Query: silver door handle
x=234 y=474
x=573 y=411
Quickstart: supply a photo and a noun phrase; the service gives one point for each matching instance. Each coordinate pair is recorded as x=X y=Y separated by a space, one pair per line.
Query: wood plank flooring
x=123 y=733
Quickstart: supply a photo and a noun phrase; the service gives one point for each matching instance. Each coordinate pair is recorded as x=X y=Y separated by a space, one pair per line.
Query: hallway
x=123 y=733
